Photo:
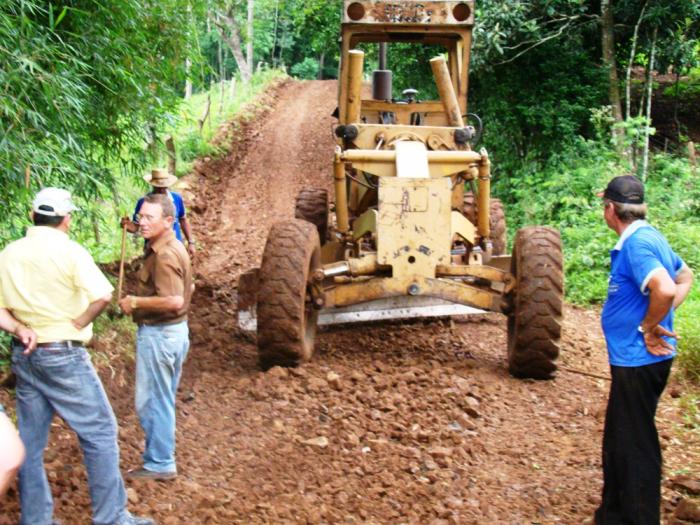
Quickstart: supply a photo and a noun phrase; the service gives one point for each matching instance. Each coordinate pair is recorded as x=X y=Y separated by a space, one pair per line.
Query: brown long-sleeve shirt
x=166 y=271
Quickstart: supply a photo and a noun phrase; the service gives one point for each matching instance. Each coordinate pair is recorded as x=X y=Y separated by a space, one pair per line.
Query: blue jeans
x=60 y=380
x=160 y=352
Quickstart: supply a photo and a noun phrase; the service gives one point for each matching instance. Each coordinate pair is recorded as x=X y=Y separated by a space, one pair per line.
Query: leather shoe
x=144 y=473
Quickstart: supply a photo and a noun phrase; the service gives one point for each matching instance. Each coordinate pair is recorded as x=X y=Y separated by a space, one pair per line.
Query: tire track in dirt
x=393 y=423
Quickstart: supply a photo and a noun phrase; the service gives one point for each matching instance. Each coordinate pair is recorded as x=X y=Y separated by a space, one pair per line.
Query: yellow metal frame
x=417 y=190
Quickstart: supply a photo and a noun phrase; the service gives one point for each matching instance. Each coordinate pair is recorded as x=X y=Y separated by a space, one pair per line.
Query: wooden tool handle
x=121 y=264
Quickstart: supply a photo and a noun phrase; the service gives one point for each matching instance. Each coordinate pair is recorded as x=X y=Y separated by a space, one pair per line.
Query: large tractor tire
x=497 y=221
x=286 y=317
x=534 y=324
x=312 y=206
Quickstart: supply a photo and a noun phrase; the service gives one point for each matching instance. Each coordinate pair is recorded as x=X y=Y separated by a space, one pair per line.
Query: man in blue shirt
x=161 y=180
x=648 y=281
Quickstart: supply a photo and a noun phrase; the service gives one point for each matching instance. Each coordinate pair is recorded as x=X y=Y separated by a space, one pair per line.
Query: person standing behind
x=160 y=309
x=648 y=282
x=161 y=180
x=11 y=453
x=50 y=293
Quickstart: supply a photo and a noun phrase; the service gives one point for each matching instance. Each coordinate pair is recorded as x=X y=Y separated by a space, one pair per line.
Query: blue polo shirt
x=179 y=204
x=639 y=254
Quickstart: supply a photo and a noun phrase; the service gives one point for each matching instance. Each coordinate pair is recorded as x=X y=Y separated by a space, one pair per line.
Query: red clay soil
x=414 y=423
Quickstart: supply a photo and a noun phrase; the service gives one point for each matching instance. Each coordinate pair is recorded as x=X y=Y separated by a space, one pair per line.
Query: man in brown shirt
x=159 y=308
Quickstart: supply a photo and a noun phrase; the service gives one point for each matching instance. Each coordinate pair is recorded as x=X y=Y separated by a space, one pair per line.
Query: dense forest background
x=571 y=92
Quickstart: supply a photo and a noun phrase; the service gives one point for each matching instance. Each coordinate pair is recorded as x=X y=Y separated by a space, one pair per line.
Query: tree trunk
x=692 y=157
x=249 y=47
x=96 y=227
x=608 y=45
x=650 y=88
x=220 y=57
x=230 y=33
x=172 y=155
x=274 y=34
x=675 y=104
x=188 y=81
x=206 y=113
x=321 y=63
x=633 y=52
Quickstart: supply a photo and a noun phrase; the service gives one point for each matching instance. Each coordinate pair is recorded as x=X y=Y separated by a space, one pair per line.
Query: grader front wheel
x=534 y=325
x=286 y=316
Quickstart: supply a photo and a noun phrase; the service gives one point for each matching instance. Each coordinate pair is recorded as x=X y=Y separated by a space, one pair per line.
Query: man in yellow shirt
x=50 y=292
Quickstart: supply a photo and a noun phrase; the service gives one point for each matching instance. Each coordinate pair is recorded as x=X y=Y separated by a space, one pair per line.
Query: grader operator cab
x=406 y=239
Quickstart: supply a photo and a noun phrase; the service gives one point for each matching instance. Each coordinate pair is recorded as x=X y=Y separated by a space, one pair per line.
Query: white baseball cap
x=53 y=202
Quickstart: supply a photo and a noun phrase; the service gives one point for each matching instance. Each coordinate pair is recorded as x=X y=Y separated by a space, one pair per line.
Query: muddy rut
x=393 y=423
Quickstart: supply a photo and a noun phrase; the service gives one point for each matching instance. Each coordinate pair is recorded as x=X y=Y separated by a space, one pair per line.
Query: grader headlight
x=356 y=11
x=461 y=12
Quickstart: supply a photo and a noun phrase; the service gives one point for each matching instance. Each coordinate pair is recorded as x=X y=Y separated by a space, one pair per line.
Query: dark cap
x=626 y=189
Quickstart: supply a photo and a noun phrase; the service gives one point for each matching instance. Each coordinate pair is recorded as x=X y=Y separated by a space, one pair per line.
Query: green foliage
x=410 y=64
x=686 y=88
x=307 y=69
x=316 y=26
x=686 y=325
x=524 y=123
x=5 y=351
x=82 y=85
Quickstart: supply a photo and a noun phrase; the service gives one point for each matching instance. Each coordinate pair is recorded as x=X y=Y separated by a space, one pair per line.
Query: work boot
x=144 y=473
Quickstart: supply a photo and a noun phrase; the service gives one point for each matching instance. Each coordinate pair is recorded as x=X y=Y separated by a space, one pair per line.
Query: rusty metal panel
x=438 y=12
x=414 y=225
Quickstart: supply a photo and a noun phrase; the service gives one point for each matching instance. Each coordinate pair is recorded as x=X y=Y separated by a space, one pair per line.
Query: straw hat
x=160 y=178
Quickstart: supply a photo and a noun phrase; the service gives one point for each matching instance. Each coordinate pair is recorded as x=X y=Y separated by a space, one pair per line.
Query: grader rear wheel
x=312 y=206
x=534 y=325
x=286 y=316
x=497 y=221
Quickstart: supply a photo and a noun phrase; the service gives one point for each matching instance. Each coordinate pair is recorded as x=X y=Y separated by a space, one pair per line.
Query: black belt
x=53 y=344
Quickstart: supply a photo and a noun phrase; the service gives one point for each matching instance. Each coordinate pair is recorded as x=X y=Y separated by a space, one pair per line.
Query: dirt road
x=397 y=423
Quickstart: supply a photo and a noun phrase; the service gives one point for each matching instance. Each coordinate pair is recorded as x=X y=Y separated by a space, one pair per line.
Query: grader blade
x=393 y=308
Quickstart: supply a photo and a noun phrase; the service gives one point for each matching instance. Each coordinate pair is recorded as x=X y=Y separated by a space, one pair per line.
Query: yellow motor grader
x=407 y=239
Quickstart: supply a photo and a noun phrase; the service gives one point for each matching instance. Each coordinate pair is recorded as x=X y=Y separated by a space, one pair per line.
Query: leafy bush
x=192 y=146
x=82 y=84
x=306 y=70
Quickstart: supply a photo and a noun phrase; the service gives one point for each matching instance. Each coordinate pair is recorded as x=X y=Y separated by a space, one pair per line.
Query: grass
x=191 y=141
x=689 y=335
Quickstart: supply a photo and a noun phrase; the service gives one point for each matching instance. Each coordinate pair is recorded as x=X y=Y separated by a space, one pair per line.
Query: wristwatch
x=641 y=329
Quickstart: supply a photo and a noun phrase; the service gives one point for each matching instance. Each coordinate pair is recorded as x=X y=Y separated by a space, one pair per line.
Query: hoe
x=415 y=232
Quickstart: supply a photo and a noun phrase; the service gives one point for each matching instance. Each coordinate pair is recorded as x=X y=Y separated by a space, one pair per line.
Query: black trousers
x=631 y=451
